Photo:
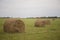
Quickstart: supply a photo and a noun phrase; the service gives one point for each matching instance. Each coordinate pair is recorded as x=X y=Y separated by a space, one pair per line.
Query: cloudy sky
x=27 y=8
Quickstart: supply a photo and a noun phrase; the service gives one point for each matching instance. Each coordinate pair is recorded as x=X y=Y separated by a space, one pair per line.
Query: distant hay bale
x=39 y=23
x=14 y=25
x=53 y=19
x=42 y=23
x=47 y=22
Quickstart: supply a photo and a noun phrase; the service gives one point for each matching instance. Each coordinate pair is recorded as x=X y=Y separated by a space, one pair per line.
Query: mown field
x=49 y=32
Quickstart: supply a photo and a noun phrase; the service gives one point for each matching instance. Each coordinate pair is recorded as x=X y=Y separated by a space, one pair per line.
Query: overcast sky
x=27 y=8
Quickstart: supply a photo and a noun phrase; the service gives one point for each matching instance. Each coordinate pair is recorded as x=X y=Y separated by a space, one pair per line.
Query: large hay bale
x=14 y=25
x=42 y=23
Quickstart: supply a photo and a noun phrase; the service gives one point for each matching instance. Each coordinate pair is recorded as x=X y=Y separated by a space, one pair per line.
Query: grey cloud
x=24 y=8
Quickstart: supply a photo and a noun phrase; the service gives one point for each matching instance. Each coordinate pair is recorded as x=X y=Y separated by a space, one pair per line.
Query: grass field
x=50 y=32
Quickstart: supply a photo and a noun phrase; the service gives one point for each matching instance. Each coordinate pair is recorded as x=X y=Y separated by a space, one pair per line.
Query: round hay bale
x=42 y=23
x=47 y=22
x=39 y=23
x=53 y=19
x=14 y=25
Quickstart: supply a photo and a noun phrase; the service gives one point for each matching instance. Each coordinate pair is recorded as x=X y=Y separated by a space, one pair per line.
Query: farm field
x=49 y=32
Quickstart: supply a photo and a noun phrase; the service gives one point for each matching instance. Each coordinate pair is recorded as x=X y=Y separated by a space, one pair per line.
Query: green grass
x=50 y=32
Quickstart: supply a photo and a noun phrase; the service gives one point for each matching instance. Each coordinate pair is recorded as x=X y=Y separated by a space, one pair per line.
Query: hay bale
x=53 y=19
x=47 y=22
x=39 y=23
x=14 y=25
x=42 y=23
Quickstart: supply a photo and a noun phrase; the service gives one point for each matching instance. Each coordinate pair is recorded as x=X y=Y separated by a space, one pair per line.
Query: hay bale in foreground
x=42 y=23
x=14 y=25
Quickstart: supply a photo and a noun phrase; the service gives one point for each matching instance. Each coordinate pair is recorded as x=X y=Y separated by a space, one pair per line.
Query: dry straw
x=42 y=23
x=14 y=25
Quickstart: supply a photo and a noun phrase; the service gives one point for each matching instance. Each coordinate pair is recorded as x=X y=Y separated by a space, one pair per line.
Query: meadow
x=49 y=32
